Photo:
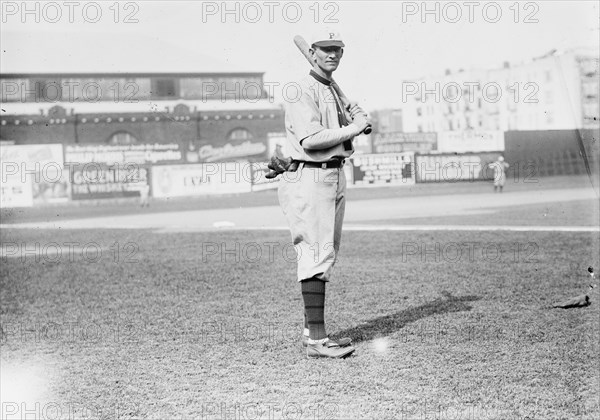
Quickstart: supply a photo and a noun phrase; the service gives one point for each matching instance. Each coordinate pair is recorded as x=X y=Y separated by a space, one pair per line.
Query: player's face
x=328 y=58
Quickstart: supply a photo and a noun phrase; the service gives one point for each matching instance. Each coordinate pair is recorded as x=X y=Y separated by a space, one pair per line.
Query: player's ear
x=312 y=52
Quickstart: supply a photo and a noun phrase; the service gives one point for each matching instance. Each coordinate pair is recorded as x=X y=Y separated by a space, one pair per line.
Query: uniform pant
x=313 y=201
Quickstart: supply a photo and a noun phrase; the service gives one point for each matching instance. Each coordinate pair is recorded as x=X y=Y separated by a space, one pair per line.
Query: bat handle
x=368 y=129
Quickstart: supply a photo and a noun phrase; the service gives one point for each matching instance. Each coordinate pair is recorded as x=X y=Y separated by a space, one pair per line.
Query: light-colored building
x=556 y=91
x=387 y=121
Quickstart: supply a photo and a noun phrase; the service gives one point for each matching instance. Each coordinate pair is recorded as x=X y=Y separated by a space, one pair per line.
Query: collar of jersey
x=320 y=78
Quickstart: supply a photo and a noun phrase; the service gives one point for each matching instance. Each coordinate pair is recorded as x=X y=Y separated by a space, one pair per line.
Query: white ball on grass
x=380 y=345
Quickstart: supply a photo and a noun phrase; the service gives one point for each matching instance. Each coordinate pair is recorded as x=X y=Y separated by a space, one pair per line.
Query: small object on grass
x=576 y=302
x=579 y=301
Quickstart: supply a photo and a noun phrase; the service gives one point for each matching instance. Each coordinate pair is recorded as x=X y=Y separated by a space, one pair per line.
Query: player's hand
x=354 y=110
x=361 y=121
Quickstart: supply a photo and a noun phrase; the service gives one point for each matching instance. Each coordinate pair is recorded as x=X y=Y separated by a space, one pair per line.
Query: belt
x=334 y=163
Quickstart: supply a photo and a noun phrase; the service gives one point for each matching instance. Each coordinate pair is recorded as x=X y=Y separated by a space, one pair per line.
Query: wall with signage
x=227 y=152
x=452 y=167
x=97 y=181
x=33 y=175
x=201 y=179
x=155 y=153
x=470 y=141
x=402 y=142
x=381 y=169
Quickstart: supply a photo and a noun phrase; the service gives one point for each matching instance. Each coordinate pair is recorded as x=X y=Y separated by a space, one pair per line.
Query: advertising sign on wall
x=382 y=169
x=453 y=167
x=157 y=153
x=227 y=152
x=402 y=142
x=201 y=179
x=93 y=181
x=39 y=169
x=16 y=193
x=470 y=141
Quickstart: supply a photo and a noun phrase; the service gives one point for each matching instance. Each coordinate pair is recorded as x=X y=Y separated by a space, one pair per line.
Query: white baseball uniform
x=313 y=199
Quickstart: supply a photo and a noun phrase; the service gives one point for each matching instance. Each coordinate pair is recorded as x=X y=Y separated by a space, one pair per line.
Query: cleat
x=342 y=342
x=320 y=348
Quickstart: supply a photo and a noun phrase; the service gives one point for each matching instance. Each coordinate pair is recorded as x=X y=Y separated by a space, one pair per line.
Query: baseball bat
x=304 y=47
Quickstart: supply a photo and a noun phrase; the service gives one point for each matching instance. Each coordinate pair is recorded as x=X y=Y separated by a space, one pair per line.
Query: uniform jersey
x=314 y=111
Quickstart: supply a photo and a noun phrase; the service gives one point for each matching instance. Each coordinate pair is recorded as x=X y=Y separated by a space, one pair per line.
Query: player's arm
x=327 y=138
x=330 y=137
x=306 y=124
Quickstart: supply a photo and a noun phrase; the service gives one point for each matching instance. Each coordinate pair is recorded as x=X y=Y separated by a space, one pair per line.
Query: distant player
x=500 y=167
x=144 y=193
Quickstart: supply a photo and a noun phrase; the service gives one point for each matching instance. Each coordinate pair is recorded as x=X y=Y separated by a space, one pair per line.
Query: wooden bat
x=304 y=47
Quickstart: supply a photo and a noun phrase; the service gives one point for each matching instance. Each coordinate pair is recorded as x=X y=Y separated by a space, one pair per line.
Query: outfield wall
x=552 y=152
x=453 y=167
x=40 y=174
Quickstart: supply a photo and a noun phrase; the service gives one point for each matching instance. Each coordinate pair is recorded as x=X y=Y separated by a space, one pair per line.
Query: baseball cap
x=327 y=37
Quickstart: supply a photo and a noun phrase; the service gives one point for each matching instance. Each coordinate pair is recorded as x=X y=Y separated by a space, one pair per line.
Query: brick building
x=232 y=111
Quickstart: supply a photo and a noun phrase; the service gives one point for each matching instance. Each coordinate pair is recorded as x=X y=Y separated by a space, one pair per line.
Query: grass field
x=447 y=325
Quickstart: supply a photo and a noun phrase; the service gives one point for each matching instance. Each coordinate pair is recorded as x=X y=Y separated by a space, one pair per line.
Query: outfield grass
x=186 y=325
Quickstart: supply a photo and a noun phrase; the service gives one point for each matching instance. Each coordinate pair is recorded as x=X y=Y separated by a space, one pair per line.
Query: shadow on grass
x=389 y=324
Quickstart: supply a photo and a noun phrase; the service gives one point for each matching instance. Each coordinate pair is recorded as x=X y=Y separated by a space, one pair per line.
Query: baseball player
x=500 y=167
x=319 y=133
x=144 y=192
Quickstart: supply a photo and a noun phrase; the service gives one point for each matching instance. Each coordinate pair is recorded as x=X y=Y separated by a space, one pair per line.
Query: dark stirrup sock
x=313 y=292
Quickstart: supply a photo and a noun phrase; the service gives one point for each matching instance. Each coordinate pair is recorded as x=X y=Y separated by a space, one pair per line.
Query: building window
x=239 y=134
x=122 y=138
x=164 y=88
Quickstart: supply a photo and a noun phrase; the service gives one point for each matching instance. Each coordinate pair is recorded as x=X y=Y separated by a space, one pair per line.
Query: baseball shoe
x=342 y=342
x=320 y=348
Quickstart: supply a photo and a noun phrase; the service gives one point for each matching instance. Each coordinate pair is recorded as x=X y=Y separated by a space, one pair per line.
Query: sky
x=386 y=42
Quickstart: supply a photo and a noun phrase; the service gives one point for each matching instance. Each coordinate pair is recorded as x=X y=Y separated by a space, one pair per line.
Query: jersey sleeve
x=304 y=116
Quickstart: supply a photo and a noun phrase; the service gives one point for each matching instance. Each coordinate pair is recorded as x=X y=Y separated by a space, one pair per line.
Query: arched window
x=239 y=134
x=122 y=138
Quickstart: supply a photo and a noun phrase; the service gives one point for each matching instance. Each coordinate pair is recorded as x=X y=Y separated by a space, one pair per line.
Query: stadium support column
x=198 y=125
x=75 y=124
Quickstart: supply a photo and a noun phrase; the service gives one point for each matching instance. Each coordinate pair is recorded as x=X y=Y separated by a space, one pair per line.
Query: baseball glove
x=280 y=165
